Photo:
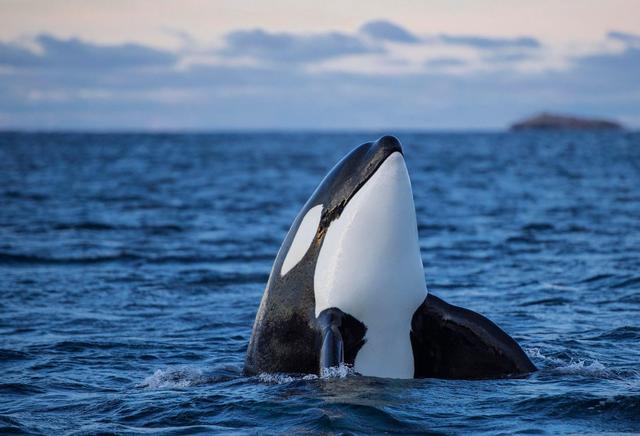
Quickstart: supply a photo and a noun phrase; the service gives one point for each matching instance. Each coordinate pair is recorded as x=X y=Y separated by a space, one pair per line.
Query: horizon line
x=337 y=130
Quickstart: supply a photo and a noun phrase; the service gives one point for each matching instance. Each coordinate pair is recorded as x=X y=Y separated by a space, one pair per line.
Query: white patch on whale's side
x=303 y=238
x=370 y=267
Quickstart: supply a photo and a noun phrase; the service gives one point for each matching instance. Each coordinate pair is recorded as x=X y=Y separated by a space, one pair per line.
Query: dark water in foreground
x=131 y=268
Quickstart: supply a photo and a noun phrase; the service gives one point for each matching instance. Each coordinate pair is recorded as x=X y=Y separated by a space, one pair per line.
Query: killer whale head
x=355 y=246
x=342 y=185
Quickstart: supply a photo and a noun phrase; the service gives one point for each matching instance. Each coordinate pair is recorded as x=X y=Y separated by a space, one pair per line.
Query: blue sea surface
x=132 y=266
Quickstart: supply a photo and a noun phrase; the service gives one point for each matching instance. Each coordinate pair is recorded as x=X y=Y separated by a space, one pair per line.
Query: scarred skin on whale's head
x=352 y=250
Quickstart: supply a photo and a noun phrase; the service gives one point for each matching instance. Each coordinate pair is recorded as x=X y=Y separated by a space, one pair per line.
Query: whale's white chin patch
x=370 y=267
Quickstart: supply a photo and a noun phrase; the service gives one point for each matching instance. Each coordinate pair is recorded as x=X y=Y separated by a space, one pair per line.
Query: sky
x=283 y=64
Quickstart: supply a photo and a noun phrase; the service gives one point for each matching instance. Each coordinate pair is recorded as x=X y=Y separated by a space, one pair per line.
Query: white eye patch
x=302 y=241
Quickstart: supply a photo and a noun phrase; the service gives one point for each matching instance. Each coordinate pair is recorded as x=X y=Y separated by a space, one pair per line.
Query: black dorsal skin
x=455 y=343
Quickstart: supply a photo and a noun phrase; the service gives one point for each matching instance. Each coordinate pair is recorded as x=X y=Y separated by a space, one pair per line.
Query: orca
x=348 y=287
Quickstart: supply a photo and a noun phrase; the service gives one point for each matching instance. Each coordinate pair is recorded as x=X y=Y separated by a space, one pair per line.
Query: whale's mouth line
x=330 y=215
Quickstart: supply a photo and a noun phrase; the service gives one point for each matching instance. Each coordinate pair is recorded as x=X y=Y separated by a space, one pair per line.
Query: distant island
x=547 y=121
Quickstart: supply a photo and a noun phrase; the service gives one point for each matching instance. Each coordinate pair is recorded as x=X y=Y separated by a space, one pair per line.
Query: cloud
x=78 y=84
x=488 y=43
x=627 y=38
x=613 y=69
x=445 y=62
x=388 y=31
x=12 y=55
x=293 y=48
x=74 y=53
x=508 y=56
x=299 y=48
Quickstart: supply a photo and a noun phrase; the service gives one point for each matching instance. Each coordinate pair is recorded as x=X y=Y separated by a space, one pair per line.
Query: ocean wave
x=19 y=389
x=85 y=225
x=33 y=196
x=9 y=425
x=71 y=346
x=174 y=377
x=574 y=405
x=627 y=332
x=280 y=379
x=102 y=226
x=631 y=282
x=537 y=227
x=557 y=301
x=183 y=376
x=557 y=286
x=334 y=372
x=340 y=371
x=582 y=367
x=597 y=278
x=574 y=366
x=7 y=258
x=7 y=355
x=231 y=278
x=536 y=354
x=435 y=228
x=12 y=259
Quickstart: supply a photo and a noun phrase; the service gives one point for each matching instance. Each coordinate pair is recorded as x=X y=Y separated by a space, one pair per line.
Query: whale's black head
x=349 y=175
x=330 y=198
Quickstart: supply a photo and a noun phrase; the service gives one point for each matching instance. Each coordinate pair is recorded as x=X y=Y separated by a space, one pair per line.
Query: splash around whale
x=348 y=288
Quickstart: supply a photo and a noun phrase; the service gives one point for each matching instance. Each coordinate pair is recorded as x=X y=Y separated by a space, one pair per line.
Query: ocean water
x=132 y=266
